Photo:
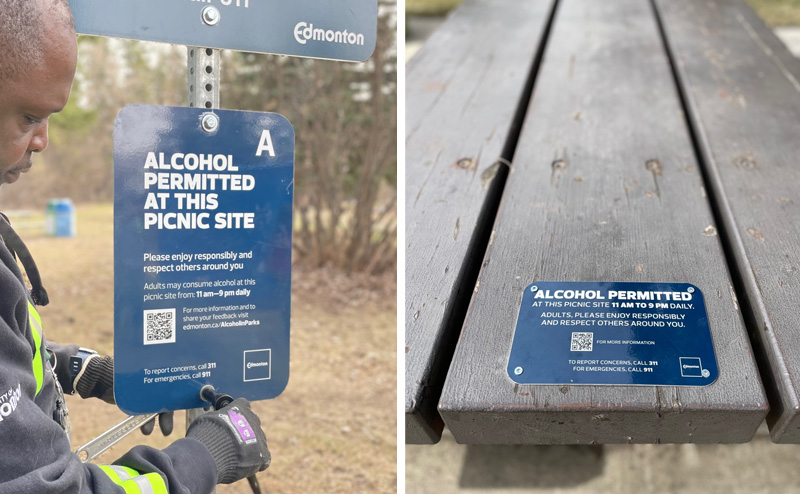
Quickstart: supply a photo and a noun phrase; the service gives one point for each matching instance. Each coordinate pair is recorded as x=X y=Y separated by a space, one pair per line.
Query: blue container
x=60 y=218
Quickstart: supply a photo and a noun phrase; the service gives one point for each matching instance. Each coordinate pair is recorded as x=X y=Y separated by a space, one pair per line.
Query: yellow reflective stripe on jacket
x=36 y=329
x=134 y=483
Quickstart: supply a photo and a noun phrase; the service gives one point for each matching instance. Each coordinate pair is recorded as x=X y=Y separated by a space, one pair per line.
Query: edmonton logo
x=304 y=32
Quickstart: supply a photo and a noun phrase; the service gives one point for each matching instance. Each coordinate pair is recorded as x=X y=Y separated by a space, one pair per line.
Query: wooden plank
x=463 y=92
x=742 y=92
x=604 y=187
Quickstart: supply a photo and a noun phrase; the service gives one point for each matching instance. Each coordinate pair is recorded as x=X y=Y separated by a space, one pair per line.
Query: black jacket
x=35 y=455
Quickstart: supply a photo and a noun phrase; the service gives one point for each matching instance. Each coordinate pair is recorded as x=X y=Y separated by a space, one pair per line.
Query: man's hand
x=92 y=376
x=165 y=423
x=234 y=438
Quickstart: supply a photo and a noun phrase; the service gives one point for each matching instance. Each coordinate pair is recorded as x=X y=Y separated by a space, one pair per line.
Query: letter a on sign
x=265 y=144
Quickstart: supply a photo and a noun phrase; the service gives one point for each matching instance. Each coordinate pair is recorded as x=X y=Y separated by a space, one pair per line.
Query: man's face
x=28 y=100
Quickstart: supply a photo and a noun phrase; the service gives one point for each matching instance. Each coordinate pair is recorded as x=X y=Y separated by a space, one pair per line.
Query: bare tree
x=344 y=115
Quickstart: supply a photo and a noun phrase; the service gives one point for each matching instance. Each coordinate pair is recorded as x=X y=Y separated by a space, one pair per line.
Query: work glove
x=92 y=376
x=234 y=438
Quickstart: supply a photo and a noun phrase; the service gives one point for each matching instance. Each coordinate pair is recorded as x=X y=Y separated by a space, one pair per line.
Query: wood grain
x=463 y=91
x=742 y=91
x=605 y=186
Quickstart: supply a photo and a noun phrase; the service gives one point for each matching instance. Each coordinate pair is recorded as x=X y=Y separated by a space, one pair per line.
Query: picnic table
x=631 y=141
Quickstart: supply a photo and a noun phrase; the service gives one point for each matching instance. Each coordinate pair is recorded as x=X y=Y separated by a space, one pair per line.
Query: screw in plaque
x=210 y=122
x=534 y=288
x=518 y=371
x=211 y=16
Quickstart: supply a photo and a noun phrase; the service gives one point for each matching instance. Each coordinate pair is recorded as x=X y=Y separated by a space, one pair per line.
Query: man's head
x=38 y=53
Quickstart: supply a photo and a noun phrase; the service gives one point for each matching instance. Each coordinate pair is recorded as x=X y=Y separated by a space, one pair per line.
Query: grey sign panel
x=337 y=30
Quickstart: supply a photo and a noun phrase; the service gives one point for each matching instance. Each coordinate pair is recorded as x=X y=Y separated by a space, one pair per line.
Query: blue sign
x=340 y=30
x=202 y=255
x=612 y=333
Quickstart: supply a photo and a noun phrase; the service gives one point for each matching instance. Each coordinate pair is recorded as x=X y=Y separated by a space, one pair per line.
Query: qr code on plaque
x=159 y=326
x=582 y=342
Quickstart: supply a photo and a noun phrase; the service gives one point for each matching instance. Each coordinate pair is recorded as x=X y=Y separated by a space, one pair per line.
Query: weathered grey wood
x=742 y=91
x=604 y=187
x=463 y=90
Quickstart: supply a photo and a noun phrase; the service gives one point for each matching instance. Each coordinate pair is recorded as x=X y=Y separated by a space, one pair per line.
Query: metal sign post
x=203 y=76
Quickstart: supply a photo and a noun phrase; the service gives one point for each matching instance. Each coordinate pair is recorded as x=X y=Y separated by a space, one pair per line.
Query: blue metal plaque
x=202 y=255
x=338 y=30
x=612 y=333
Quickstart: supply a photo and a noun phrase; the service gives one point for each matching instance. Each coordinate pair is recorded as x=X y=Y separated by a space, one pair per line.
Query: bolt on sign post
x=340 y=30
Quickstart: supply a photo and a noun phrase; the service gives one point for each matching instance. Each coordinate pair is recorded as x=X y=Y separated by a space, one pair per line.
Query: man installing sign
x=38 y=54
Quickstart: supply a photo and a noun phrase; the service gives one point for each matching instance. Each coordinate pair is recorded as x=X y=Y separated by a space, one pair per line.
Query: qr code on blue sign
x=582 y=342
x=159 y=326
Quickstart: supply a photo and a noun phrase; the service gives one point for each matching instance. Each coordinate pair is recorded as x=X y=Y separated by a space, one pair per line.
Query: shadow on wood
x=491 y=467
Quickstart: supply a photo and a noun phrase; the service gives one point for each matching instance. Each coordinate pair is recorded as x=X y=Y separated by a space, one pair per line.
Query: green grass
x=430 y=7
x=777 y=12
